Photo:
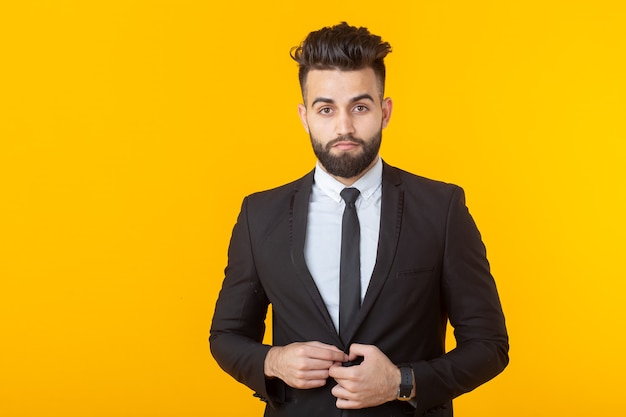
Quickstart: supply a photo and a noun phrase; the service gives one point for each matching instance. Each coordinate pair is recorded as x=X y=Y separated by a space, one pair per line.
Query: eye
x=325 y=110
x=360 y=108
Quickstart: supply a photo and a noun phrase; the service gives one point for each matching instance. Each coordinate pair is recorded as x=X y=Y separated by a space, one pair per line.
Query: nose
x=345 y=124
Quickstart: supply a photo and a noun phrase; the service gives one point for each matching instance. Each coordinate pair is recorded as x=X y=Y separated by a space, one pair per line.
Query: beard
x=346 y=165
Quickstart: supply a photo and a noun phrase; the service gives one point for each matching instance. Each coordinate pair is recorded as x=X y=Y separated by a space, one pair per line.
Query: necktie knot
x=350 y=195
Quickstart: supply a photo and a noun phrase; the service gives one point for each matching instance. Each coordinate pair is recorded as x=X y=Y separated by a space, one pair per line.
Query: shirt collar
x=367 y=184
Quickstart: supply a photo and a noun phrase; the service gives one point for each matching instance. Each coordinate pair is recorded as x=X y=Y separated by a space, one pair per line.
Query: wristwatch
x=406 y=383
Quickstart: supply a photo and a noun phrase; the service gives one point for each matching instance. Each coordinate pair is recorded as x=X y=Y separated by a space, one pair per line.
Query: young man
x=373 y=345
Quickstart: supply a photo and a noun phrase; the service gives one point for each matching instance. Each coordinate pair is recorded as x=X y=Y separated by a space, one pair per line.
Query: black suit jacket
x=431 y=267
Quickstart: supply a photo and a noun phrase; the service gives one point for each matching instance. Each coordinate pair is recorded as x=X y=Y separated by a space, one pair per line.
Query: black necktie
x=350 y=266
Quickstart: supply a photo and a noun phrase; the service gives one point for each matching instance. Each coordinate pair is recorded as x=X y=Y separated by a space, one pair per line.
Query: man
x=417 y=262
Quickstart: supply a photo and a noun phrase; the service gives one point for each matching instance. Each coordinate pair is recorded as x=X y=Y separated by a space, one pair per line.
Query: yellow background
x=131 y=130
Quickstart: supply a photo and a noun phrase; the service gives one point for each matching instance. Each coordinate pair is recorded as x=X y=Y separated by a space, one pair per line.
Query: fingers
x=339 y=372
x=357 y=349
x=302 y=364
x=319 y=350
x=371 y=383
x=349 y=396
x=349 y=400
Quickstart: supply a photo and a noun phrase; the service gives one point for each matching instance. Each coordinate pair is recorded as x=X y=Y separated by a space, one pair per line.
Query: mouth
x=344 y=143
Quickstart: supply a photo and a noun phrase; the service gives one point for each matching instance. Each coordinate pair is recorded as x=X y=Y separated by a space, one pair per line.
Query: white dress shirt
x=322 y=249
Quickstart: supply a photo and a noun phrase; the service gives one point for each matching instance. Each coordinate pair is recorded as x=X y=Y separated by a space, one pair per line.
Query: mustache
x=344 y=138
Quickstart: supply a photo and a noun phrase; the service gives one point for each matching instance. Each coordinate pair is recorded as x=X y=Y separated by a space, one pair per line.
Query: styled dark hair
x=341 y=47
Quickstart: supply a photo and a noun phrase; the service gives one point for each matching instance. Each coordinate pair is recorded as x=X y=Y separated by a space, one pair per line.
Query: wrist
x=268 y=364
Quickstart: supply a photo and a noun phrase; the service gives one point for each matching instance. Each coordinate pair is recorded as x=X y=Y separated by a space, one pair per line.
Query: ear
x=387 y=106
x=302 y=114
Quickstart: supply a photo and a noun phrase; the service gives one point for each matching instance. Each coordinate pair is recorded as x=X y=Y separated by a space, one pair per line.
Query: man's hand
x=375 y=381
x=303 y=365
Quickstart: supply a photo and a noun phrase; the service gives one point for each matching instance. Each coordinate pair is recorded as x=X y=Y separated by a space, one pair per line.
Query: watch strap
x=406 y=383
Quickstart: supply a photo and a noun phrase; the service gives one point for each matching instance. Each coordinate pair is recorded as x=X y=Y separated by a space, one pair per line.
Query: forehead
x=340 y=85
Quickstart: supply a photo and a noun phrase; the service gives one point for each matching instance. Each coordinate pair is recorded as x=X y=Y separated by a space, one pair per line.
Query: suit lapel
x=390 y=220
x=298 y=213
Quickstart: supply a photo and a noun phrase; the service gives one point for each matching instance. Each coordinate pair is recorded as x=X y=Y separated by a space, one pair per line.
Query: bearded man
x=364 y=265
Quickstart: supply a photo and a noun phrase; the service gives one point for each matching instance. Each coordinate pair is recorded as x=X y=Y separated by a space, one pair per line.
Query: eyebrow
x=353 y=100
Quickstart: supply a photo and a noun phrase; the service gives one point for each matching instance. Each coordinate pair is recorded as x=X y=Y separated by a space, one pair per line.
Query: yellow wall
x=131 y=130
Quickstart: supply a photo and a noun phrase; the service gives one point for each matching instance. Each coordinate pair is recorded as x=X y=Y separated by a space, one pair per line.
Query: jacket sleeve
x=238 y=322
x=474 y=310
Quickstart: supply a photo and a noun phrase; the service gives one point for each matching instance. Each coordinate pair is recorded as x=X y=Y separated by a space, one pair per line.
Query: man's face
x=344 y=116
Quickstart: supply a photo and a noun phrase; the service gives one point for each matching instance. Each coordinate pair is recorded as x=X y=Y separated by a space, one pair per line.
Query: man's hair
x=342 y=47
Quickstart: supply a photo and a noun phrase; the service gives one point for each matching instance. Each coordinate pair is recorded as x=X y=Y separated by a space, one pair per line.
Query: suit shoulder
x=278 y=195
x=414 y=183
